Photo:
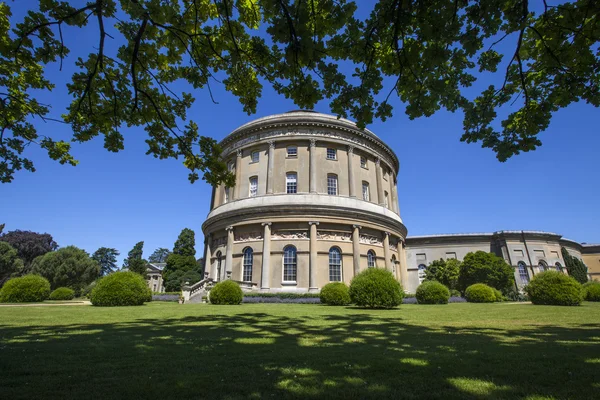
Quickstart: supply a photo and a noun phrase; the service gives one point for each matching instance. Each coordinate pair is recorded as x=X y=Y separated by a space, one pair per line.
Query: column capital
x=271 y=144
x=350 y=149
x=266 y=223
x=386 y=233
x=313 y=142
x=357 y=226
x=239 y=153
x=313 y=223
x=229 y=228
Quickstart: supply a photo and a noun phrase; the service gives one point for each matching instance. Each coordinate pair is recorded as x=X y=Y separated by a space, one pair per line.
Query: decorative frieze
x=221 y=241
x=247 y=237
x=371 y=240
x=289 y=235
x=339 y=236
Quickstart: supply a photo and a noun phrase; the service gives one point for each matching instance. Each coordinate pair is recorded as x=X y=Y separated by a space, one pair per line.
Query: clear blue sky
x=445 y=186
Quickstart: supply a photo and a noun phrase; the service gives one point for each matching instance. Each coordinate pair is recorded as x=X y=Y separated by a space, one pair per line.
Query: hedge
x=376 y=288
x=121 y=289
x=432 y=292
x=555 y=288
x=226 y=292
x=26 y=289
x=592 y=291
x=335 y=294
x=62 y=293
x=480 y=293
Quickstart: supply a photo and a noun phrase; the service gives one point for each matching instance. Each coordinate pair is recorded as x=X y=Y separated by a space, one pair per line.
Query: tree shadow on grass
x=266 y=356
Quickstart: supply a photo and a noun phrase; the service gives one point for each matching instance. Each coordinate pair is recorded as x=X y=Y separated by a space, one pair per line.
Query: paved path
x=73 y=303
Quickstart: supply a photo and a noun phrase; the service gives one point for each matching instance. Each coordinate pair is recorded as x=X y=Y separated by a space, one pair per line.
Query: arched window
x=422 y=269
x=218 y=266
x=248 y=259
x=371 y=263
x=542 y=266
x=559 y=267
x=335 y=265
x=523 y=274
x=290 y=261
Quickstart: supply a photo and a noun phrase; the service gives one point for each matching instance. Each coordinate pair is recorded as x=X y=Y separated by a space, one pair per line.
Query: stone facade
x=315 y=201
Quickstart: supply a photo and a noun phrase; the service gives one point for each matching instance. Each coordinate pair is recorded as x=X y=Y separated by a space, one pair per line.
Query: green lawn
x=274 y=351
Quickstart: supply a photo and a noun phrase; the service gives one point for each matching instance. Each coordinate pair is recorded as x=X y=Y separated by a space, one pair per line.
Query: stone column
x=312 y=272
x=403 y=268
x=386 y=251
x=380 y=198
x=351 y=182
x=395 y=205
x=238 y=175
x=208 y=256
x=313 y=166
x=265 y=275
x=229 y=253
x=356 y=248
x=270 y=162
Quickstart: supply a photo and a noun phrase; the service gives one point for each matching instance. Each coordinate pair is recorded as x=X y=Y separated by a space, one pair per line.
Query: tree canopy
x=107 y=259
x=507 y=65
x=134 y=254
x=9 y=262
x=29 y=245
x=488 y=268
x=444 y=271
x=575 y=267
x=159 y=255
x=185 y=244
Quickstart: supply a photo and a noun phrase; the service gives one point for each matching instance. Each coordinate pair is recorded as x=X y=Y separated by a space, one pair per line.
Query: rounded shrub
x=455 y=293
x=432 y=292
x=26 y=289
x=376 y=288
x=592 y=291
x=226 y=292
x=555 y=288
x=121 y=289
x=480 y=293
x=498 y=295
x=62 y=293
x=335 y=294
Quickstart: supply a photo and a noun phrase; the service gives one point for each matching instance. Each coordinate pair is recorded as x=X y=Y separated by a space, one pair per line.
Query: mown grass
x=276 y=351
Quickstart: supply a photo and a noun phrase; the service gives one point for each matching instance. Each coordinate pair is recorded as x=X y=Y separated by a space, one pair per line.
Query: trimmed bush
x=121 y=289
x=26 y=289
x=226 y=292
x=62 y=293
x=480 y=293
x=555 y=288
x=432 y=292
x=592 y=291
x=455 y=293
x=376 y=288
x=498 y=295
x=335 y=294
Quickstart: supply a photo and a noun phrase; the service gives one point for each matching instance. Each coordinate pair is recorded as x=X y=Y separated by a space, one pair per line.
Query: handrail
x=189 y=291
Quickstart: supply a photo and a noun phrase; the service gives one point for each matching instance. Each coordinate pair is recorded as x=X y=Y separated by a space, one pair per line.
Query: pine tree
x=575 y=267
x=134 y=254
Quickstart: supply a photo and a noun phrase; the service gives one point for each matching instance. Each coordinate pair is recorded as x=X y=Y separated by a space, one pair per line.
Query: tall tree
x=107 y=259
x=9 y=262
x=444 y=271
x=529 y=59
x=575 y=267
x=134 y=254
x=139 y=266
x=183 y=257
x=159 y=256
x=488 y=268
x=69 y=266
x=29 y=245
x=185 y=244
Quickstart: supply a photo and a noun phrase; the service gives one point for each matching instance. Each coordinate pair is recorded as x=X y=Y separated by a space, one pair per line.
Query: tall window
x=335 y=265
x=254 y=156
x=559 y=267
x=365 y=191
x=371 y=263
x=523 y=274
x=218 y=265
x=331 y=154
x=289 y=264
x=363 y=161
x=385 y=199
x=248 y=258
x=542 y=266
x=332 y=185
x=292 y=151
x=422 y=269
x=253 y=186
x=226 y=194
x=291 y=182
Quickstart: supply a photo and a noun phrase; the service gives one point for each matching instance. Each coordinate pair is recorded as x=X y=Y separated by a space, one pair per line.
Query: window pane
x=291 y=182
x=365 y=191
x=523 y=273
x=370 y=259
x=254 y=156
x=363 y=162
x=335 y=265
x=226 y=194
x=248 y=258
x=292 y=151
x=289 y=264
x=332 y=185
x=422 y=274
x=331 y=154
x=253 y=186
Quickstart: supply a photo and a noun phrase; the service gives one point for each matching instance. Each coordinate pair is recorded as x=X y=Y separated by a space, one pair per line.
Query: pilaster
x=270 y=163
x=312 y=279
x=313 y=166
x=265 y=275
x=229 y=253
x=356 y=248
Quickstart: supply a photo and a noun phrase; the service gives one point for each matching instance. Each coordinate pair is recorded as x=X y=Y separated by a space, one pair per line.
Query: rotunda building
x=315 y=201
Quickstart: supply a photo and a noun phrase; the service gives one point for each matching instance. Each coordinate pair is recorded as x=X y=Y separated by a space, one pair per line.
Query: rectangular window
x=292 y=151
x=385 y=199
x=518 y=253
x=331 y=154
x=253 y=186
x=332 y=185
x=365 y=191
x=450 y=256
x=291 y=182
x=226 y=195
x=254 y=156
x=363 y=161
x=421 y=257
